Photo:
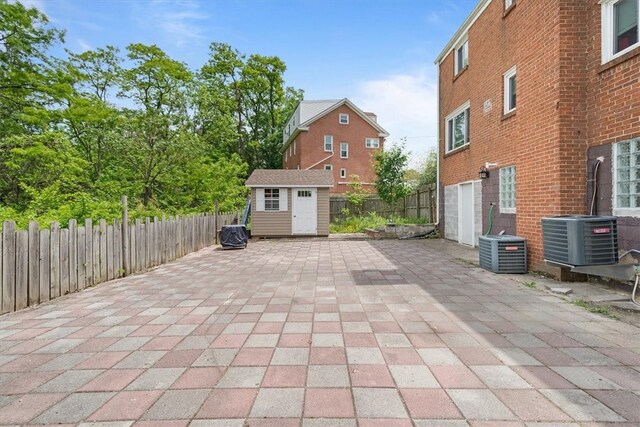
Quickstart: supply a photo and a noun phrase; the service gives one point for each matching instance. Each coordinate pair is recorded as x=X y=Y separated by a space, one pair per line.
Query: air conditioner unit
x=503 y=254
x=578 y=240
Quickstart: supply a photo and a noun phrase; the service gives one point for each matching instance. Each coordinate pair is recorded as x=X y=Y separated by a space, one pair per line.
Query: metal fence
x=419 y=204
x=38 y=265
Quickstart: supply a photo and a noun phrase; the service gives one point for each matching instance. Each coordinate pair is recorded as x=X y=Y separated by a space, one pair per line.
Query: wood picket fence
x=38 y=265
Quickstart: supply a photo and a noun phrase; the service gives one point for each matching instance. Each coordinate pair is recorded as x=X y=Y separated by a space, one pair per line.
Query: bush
x=357 y=224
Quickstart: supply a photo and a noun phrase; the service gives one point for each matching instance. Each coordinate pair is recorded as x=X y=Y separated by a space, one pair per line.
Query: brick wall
x=310 y=148
x=567 y=103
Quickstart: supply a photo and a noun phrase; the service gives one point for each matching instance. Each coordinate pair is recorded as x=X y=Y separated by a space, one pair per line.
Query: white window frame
x=328 y=167
x=503 y=202
x=261 y=200
x=328 y=141
x=343 y=173
x=623 y=211
x=345 y=116
x=461 y=109
x=372 y=142
x=508 y=4
x=608 y=26
x=344 y=148
x=506 y=101
x=464 y=45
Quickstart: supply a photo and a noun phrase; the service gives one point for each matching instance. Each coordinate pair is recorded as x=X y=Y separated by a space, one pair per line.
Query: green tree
x=390 y=166
x=357 y=194
x=429 y=168
x=31 y=82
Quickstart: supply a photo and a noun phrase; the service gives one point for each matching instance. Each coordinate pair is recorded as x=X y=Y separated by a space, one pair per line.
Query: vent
x=503 y=254
x=580 y=240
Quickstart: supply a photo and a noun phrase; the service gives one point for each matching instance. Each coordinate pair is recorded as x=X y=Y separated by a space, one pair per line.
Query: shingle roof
x=290 y=178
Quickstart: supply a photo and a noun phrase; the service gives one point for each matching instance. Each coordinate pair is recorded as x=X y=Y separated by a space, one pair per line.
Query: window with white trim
x=626 y=173
x=457 y=127
x=620 y=28
x=461 y=57
x=328 y=167
x=344 y=119
x=344 y=150
x=509 y=101
x=372 y=142
x=271 y=199
x=508 y=189
x=328 y=143
x=343 y=173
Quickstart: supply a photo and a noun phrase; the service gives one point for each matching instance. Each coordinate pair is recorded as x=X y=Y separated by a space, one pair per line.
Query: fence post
x=215 y=222
x=125 y=236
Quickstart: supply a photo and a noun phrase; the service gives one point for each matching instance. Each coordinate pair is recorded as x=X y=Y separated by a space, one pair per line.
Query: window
x=344 y=150
x=457 y=127
x=510 y=90
x=508 y=4
x=328 y=167
x=304 y=193
x=462 y=56
x=343 y=173
x=328 y=143
x=626 y=166
x=271 y=199
x=372 y=142
x=344 y=119
x=508 y=190
x=619 y=27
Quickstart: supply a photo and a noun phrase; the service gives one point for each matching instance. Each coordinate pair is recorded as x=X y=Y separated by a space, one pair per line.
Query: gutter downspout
x=323 y=160
x=438 y=148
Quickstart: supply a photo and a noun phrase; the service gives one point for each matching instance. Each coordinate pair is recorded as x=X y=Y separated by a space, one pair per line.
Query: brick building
x=333 y=135
x=574 y=124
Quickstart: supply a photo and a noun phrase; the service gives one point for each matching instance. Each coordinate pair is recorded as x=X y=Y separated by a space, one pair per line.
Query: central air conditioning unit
x=580 y=240
x=503 y=254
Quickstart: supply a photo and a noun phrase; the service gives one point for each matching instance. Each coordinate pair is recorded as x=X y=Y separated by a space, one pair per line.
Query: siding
x=323 y=211
x=273 y=224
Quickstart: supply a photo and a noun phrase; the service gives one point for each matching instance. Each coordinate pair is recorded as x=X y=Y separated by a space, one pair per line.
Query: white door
x=465 y=214
x=305 y=211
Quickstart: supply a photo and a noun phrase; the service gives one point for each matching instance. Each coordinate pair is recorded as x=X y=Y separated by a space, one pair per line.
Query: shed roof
x=290 y=178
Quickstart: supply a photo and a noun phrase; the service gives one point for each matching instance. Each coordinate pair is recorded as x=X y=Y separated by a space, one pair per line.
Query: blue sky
x=377 y=53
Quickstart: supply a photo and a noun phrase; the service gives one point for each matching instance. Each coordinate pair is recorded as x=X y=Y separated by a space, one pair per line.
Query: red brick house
x=333 y=135
x=546 y=96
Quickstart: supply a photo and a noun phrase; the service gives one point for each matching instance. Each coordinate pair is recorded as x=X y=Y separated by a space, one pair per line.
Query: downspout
x=438 y=148
x=323 y=160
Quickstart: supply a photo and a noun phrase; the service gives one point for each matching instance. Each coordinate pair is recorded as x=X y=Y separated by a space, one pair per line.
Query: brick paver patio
x=317 y=333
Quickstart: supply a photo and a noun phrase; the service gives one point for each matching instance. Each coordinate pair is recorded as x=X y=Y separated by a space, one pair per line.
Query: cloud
x=407 y=107
x=178 y=20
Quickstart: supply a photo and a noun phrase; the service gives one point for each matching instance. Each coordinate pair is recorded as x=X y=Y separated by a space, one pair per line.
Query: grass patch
x=594 y=308
x=357 y=224
x=531 y=285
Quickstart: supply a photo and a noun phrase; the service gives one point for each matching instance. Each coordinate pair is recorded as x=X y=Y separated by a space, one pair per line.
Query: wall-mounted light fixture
x=484 y=173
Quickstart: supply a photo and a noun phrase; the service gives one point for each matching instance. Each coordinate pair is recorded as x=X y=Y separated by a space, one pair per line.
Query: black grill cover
x=233 y=236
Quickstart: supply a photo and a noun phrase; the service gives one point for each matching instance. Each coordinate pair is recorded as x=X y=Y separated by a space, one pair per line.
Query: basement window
x=619 y=27
x=626 y=187
x=508 y=190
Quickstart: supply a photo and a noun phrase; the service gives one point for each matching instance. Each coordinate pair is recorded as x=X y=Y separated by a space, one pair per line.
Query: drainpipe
x=323 y=160
x=438 y=148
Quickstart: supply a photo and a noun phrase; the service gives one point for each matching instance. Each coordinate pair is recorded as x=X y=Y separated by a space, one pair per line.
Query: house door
x=304 y=206
x=465 y=214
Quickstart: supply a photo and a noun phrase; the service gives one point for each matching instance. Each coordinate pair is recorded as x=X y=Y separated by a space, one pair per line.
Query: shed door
x=305 y=211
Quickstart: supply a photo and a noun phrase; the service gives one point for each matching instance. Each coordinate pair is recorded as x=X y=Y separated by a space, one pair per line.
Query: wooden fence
x=38 y=265
x=419 y=204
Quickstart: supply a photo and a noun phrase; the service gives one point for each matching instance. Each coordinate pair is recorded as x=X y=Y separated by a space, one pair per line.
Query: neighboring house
x=333 y=135
x=289 y=202
x=536 y=92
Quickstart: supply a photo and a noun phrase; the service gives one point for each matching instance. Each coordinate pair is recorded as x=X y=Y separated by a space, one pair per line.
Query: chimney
x=372 y=116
